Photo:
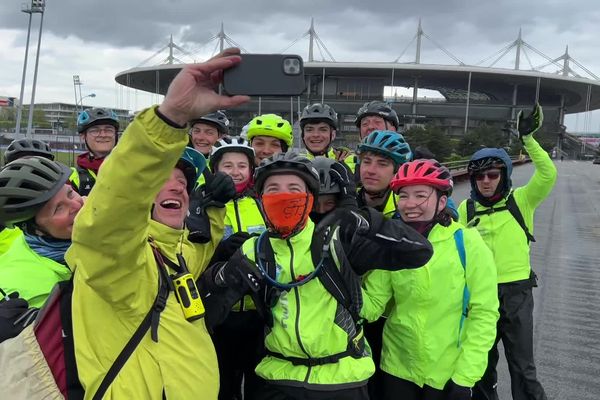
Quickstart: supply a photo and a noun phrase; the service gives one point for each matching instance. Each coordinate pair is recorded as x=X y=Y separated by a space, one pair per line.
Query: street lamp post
x=37 y=6
x=28 y=9
x=80 y=102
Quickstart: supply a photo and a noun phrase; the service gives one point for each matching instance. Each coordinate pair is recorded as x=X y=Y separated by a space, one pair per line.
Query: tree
x=482 y=136
x=431 y=137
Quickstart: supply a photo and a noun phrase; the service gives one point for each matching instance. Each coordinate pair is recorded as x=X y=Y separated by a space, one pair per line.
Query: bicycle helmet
x=318 y=112
x=287 y=163
x=323 y=166
x=423 y=172
x=230 y=144
x=191 y=163
x=482 y=164
x=19 y=148
x=389 y=144
x=271 y=125
x=380 y=109
x=218 y=119
x=244 y=132
x=96 y=116
x=26 y=185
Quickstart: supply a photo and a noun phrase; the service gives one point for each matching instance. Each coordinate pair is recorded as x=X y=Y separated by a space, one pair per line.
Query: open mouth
x=171 y=204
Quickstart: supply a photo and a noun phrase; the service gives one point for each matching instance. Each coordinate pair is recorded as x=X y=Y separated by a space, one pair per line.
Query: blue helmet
x=96 y=116
x=192 y=164
x=389 y=144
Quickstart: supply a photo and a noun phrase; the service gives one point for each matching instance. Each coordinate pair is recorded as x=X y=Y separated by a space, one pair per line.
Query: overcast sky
x=98 y=39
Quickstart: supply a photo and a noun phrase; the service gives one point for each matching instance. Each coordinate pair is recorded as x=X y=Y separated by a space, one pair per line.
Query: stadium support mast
x=518 y=44
x=311 y=40
x=419 y=37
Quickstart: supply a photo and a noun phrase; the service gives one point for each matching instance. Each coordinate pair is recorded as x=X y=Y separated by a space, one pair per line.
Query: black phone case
x=263 y=75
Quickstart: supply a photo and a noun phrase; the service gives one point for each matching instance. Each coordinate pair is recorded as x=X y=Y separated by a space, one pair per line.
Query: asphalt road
x=566 y=258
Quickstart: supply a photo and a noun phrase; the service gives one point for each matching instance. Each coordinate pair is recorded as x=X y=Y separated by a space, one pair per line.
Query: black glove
x=457 y=392
x=197 y=220
x=11 y=310
x=218 y=190
x=351 y=222
x=530 y=124
x=224 y=284
x=229 y=246
x=339 y=173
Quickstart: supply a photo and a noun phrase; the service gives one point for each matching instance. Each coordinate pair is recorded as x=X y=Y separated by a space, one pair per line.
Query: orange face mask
x=286 y=213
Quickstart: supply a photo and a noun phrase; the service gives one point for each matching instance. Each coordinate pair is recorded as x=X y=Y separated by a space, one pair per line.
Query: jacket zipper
x=297 y=322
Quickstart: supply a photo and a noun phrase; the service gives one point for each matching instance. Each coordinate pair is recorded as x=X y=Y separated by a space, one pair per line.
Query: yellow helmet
x=271 y=125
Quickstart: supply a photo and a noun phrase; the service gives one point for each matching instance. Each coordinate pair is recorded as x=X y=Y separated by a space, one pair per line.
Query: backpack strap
x=74 y=388
x=513 y=208
x=331 y=278
x=460 y=247
x=470 y=210
x=150 y=321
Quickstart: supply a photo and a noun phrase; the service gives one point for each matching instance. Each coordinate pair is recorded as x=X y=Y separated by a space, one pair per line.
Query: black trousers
x=400 y=389
x=515 y=329
x=280 y=392
x=374 y=335
x=239 y=343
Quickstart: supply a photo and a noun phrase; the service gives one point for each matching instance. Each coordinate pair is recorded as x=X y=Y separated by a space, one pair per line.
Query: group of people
x=205 y=265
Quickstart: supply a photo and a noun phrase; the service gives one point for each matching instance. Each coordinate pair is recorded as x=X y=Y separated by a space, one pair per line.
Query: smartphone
x=266 y=75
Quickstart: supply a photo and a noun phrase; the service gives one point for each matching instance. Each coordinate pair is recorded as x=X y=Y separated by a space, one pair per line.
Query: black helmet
x=96 y=116
x=218 y=119
x=229 y=144
x=323 y=166
x=287 y=163
x=27 y=147
x=26 y=185
x=380 y=109
x=318 y=113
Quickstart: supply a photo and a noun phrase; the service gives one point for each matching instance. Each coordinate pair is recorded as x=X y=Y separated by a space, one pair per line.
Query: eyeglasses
x=96 y=131
x=491 y=175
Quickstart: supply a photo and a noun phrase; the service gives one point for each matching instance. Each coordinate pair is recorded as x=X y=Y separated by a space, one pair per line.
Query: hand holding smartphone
x=266 y=75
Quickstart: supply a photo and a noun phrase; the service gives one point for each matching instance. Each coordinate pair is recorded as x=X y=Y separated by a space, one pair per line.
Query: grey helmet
x=287 y=163
x=323 y=166
x=319 y=113
x=380 y=109
x=27 y=147
x=26 y=185
x=218 y=119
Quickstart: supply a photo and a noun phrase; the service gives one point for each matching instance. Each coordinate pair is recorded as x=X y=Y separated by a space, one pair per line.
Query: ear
x=82 y=137
x=443 y=200
x=333 y=133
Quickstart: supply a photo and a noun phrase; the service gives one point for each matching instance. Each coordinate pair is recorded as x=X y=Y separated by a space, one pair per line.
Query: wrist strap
x=167 y=120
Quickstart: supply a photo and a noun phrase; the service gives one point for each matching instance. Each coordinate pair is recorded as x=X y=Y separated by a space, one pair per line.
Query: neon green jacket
x=421 y=334
x=25 y=271
x=388 y=210
x=7 y=237
x=243 y=215
x=116 y=276
x=304 y=324
x=349 y=160
x=500 y=230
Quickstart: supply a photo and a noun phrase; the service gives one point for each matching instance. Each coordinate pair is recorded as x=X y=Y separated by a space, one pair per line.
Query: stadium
x=465 y=96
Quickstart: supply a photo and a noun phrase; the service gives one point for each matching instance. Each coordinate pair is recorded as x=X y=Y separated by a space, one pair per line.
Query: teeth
x=173 y=204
